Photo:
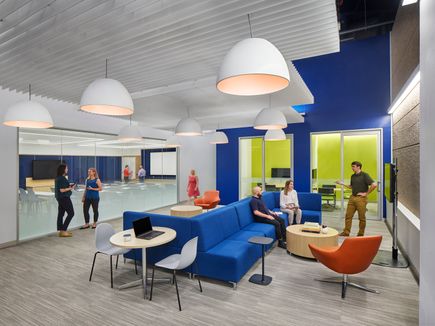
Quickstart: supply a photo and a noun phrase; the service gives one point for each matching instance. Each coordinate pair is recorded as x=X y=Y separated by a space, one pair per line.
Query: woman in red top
x=126 y=173
x=192 y=185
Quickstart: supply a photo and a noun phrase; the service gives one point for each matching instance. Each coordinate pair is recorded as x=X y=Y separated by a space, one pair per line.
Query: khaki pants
x=356 y=203
x=291 y=213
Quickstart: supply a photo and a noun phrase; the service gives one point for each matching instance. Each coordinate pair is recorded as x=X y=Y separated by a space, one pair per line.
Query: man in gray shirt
x=362 y=185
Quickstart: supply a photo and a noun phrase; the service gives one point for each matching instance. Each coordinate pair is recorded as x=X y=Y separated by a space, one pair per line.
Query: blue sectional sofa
x=223 y=249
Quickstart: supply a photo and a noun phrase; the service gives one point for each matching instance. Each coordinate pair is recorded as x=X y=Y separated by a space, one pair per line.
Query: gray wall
x=405 y=51
x=427 y=158
x=9 y=195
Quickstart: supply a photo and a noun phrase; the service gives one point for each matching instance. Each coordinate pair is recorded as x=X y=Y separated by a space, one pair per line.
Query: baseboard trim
x=8 y=244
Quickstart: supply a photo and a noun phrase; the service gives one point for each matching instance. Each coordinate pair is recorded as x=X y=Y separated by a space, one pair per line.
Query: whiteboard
x=163 y=163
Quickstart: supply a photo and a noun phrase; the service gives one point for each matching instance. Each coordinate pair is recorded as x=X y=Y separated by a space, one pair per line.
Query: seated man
x=263 y=215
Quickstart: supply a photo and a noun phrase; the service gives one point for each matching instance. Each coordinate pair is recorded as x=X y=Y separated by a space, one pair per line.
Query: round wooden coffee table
x=297 y=241
x=186 y=210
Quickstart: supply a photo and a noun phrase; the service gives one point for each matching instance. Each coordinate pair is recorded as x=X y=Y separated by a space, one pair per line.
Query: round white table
x=135 y=243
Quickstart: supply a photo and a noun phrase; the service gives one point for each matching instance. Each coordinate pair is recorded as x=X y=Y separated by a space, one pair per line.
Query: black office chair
x=328 y=193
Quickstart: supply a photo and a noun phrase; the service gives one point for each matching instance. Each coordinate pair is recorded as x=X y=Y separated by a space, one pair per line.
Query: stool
x=257 y=278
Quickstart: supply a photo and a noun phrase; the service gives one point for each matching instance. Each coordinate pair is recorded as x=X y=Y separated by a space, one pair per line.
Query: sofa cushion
x=227 y=261
x=214 y=227
x=311 y=216
x=245 y=235
x=269 y=199
x=244 y=213
x=310 y=201
x=267 y=230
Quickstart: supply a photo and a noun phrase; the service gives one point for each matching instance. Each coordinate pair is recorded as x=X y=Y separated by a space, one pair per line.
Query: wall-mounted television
x=281 y=173
x=44 y=169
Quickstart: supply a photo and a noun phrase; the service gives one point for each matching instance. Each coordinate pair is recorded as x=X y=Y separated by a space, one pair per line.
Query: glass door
x=363 y=147
x=264 y=163
x=277 y=163
x=326 y=169
x=331 y=158
x=250 y=165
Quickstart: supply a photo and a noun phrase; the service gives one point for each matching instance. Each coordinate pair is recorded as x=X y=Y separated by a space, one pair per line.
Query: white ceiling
x=153 y=47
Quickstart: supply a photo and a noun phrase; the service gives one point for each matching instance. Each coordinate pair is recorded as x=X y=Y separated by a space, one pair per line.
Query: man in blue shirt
x=264 y=215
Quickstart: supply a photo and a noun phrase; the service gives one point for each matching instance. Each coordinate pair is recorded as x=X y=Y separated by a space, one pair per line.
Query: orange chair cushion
x=209 y=200
x=353 y=256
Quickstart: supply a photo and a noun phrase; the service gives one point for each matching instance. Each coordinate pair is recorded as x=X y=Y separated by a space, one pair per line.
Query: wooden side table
x=297 y=241
x=186 y=210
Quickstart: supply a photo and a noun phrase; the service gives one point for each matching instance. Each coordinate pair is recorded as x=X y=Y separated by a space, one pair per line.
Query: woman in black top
x=63 y=193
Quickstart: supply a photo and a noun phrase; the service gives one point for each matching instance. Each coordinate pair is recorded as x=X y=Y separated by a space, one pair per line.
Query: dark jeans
x=88 y=202
x=65 y=205
x=277 y=222
x=126 y=179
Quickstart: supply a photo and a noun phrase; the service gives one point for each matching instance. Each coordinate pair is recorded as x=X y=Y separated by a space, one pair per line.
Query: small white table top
x=118 y=238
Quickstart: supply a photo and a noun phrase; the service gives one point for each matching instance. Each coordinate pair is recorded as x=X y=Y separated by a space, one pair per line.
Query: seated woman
x=288 y=202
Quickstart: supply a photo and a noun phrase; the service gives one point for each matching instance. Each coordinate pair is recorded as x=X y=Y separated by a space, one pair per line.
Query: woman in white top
x=288 y=202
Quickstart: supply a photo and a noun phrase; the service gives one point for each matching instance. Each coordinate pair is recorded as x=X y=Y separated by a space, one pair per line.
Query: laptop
x=144 y=230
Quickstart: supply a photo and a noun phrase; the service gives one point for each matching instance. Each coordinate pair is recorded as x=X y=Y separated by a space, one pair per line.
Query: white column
x=427 y=162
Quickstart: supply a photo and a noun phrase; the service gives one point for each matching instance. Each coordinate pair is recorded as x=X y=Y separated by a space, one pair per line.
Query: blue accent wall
x=146 y=159
x=108 y=167
x=351 y=91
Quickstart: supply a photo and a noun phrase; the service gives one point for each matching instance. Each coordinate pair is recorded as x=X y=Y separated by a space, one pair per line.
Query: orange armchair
x=353 y=256
x=209 y=200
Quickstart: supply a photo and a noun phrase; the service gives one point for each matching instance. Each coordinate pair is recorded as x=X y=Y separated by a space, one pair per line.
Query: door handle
x=379 y=186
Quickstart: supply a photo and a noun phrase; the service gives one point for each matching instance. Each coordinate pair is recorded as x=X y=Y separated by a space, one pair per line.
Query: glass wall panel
x=362 y=148
x=250 y=165
x=81 y=151
x=326 y=168
x=278 y=163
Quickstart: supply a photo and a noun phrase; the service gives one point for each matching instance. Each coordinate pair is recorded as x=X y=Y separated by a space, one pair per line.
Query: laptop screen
x=142 y=226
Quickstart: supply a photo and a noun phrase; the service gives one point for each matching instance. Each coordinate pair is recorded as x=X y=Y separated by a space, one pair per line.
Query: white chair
x=103 y=232
x=178 y=262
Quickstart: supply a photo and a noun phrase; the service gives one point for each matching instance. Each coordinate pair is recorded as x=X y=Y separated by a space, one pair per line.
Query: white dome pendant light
x=275 y=135
x=268 y=118
x=28 y=114
x=172 y=142
x=188 y=127
x=130 y=133
x=253 y=66
x=107 y=96
x=218 y=137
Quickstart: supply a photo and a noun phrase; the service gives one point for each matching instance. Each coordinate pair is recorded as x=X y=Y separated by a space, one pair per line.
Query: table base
x=260 y=279
x=139 y=282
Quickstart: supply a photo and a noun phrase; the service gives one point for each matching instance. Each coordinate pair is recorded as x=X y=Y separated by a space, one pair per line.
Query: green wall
x=277 y=155
x=361 y=148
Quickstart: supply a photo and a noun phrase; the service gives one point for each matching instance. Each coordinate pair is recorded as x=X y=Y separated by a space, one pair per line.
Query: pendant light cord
x=250 y=27
x=107 y=60
x=30 y=92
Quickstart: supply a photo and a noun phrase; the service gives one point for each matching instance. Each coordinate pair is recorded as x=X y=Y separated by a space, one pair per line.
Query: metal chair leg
x=111 y=272
x=178 y=295
x=135 y=262
x=152 y=284
x=197 y=275
x=117 y=258
x=344 y=286
x=93 y=264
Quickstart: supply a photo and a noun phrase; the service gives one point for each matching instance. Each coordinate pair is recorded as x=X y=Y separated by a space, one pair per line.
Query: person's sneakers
x=282 y=244
x=65 y=234
x=343 y=234
x=360 y=235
